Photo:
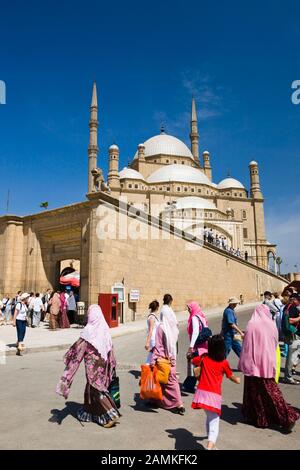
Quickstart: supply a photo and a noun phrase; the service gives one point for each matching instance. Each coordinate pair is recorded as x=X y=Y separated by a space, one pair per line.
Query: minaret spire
x=93 y=145
x=194 y=136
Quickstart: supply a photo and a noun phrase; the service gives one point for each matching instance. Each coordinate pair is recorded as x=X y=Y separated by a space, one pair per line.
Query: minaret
x=113 y=172
x=93 y=145
x=206 y=165
x=194 y=136
x=254 y=181
x=141 y=152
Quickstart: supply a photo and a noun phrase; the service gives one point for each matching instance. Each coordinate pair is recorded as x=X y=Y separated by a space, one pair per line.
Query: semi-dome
x=129 y=173
x=167 y=145
x=194 y=202
x=230 y=183
x=180 y=173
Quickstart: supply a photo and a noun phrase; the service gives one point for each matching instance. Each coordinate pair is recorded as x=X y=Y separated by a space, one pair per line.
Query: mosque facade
x=167 y=190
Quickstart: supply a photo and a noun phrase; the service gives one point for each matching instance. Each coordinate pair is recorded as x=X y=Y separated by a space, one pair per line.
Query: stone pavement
x=42 y=339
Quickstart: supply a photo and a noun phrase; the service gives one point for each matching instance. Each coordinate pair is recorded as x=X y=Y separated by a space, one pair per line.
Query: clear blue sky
x=148 y=57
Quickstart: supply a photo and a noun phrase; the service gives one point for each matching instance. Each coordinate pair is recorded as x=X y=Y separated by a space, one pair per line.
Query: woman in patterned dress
x=95 y=347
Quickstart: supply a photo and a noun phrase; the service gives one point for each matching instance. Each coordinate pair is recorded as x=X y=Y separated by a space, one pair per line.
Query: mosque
x=166 y=183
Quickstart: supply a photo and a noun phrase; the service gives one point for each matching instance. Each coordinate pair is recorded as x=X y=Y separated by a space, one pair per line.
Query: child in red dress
x=209 y=393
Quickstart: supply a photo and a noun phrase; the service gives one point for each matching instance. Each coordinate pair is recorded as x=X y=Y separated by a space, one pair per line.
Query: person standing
x=230 y=330
x=152 y=324
x=54 y=311
x=38 y=308
x=263 y=402
x=63 y=318
x=71 y=308
x=7 y=312
x=209 y=390
x=20 y=321
x=94 y=347
x=292 y=337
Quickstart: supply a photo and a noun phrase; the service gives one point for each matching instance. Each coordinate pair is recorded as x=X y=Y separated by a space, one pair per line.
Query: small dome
x=129 y=173
x=252 y=163
x=141 y=145
x=113 y=147
x=167 y=145
x=230 y=183
x=194 y=202
x=180 y=173
x=206 y=152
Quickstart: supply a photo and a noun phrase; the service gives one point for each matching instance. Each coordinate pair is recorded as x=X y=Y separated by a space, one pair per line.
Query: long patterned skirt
x=98 y=407
x=264 y=405
x=171 y=392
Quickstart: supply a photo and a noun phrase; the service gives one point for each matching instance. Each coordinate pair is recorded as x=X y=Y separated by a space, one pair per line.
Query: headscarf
x=97 y=331
x=195 y=310
x=258 y=356
x=169 y=325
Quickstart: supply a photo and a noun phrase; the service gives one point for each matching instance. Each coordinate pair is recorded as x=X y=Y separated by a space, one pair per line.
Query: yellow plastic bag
x=163 y=370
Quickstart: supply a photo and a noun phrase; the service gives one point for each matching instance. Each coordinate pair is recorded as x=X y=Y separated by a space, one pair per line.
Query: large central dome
x=166 y=145
x=179 y=173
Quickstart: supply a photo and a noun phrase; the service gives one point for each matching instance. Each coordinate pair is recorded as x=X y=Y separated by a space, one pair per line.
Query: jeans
x=212 y=425
x=292 y=357
x=21 y=329
x=231 y=343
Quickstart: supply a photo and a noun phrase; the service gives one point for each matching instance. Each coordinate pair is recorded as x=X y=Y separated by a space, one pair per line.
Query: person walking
x=71 y=308
x=263 y=402
x=96 y=349
x=152 y=324
x=38 y=308
x=166 y=348
x=208 y=395
x=230 y=330
x=20 y=321
x=196 y=322
x=7 y=312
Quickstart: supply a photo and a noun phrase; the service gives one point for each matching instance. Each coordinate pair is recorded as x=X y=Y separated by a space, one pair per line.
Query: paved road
x=34 y=417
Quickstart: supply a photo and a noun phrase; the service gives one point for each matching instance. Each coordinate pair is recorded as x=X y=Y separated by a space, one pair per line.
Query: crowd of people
x=56 y=308
x=220 y=241
x=257 y=348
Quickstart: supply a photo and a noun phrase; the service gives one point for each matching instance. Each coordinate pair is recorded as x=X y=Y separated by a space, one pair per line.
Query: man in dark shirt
x=292 y=360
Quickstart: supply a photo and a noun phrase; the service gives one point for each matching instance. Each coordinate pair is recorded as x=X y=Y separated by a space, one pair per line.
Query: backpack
x=203 y=335
x=287 y=329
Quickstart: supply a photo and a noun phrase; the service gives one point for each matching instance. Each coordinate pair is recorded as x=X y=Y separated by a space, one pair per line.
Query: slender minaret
x=254 y=181
x=113 y=171
x=194 y=136
x=206 y=165
x=93 y=145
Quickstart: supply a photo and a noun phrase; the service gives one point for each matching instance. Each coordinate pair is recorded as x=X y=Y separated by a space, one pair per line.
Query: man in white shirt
x=38 y=307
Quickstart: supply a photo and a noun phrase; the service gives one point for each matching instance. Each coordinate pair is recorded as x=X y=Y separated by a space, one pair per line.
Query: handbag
x=204 y=334
x=190 y=382
x=150 y=387
x=114 y=391
x=163 y=367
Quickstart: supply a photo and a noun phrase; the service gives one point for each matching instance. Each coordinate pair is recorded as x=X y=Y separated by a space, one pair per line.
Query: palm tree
x=44 y=205
x=279 y=262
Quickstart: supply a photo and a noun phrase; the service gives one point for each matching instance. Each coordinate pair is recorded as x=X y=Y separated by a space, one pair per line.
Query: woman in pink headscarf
x=95 y=347
x=263 y=402
x=196 y=322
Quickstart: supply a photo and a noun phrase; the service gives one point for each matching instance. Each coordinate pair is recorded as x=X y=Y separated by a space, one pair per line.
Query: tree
x=279 y=262
x=44 y=205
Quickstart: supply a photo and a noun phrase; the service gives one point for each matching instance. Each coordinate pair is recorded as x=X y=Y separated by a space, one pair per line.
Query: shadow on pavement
x=135 y=373
x=185 y=440
x=59 y=415
x=232 y=415
x=140 y=405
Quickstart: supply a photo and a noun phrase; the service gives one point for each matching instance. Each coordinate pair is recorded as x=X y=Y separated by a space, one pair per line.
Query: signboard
x=134 y=295
x=118 y=288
